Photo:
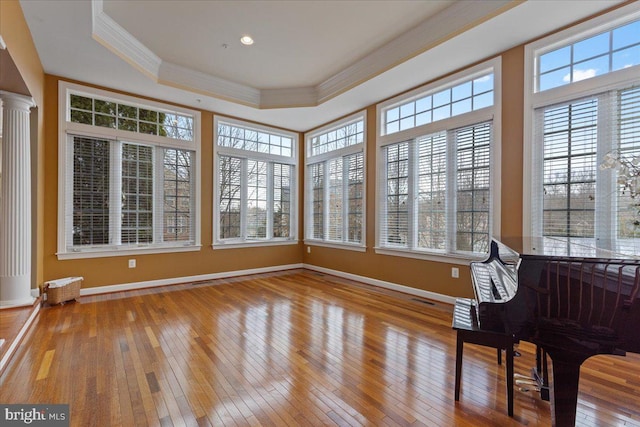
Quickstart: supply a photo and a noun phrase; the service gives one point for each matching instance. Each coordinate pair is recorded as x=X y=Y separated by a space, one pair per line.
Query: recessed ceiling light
x=246 y=40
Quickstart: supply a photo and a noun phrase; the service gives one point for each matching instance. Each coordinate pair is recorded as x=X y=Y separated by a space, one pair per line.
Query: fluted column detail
x=15 y=201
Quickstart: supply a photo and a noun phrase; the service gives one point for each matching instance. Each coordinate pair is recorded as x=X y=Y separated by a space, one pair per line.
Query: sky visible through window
x=451 y=101
x=597 y=55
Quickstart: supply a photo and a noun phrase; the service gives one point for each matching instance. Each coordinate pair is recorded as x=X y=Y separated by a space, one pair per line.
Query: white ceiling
x=297 y=44
x=312 y=61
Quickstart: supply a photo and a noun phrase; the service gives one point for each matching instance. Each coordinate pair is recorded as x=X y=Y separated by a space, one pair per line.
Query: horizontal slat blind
x=432 y=192
x=334 y=182
x=281 y=200
x=438 y=192
x=628 y=212
x=256 y=175
x=137 y=194
x=473 y=184
x=316 y=172
x=336 y=217
x=569 y=133
x=355 y=189
x=127 y=194
x=578 y=200
x=91 y=191
x=395 y=209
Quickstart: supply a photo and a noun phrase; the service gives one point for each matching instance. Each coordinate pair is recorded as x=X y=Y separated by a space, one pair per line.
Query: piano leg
x=459 y=348
x=509 y=379
x=564 y=391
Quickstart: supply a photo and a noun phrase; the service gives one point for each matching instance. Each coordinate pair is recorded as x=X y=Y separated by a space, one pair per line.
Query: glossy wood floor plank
x=293 y=348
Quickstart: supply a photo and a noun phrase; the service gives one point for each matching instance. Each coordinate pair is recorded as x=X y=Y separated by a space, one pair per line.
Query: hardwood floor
x=14 y=322
x=292 y=348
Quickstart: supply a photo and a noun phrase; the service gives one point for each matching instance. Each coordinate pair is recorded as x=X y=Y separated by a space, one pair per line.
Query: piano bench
x=468 y=331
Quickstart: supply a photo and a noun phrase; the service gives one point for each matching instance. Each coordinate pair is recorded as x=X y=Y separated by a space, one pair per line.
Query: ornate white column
x=15 y=201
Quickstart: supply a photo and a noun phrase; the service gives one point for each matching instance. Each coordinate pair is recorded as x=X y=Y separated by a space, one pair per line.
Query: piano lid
x=574 y=247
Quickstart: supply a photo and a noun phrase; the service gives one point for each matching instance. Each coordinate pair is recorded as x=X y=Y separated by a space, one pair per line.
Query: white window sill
x=461 y=259
x=336 y=245
x=111 y=252
x=252 y=243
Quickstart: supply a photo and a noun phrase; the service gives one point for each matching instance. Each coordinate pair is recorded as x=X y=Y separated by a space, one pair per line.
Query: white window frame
x=66 y=132
x=488 y=114
x=533 y=99
x=325 y=158
x=254 y=155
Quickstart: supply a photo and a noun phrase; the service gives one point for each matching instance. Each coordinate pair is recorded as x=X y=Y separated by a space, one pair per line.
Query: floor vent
x=424 y=301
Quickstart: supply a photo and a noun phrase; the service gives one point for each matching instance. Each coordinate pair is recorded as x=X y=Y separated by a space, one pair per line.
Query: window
x=101 y=112
x=125 y=191
x=578 y=121
x=594 y=55
x=437 y=178
x=470 y=95
x=255 y=184
x=335 y=183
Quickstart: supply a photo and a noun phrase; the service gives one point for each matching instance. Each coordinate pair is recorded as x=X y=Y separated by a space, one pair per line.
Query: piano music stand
x=467 y=330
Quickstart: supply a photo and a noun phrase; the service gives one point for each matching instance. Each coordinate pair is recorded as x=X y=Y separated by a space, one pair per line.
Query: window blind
x=128 y=195
x=437 y=194
x=335 y=205
x=90 y=186
x=628 y=131
x=335 y=182
x=281 y=200
x=570 y=134
x=577 y=198
x=137 y=194
x=432 y=192
x=317 y=199
x=473 y=196
x=355 y=196
x=256 y=200
x=395 y=219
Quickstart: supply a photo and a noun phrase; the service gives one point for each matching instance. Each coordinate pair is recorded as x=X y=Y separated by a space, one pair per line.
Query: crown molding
x=186 y=78
x=111 y=35
x=289 y=97
x=452 y=21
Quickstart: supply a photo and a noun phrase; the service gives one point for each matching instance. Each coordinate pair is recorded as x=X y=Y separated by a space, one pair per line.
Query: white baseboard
x=14 y=344
x=176 y=280
x=226 y=274
x=387 y=285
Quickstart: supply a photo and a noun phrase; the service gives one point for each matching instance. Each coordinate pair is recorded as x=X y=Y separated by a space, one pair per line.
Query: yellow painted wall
x=114 y=270
x=16 y=35
x=429 y=275
x=419 y=274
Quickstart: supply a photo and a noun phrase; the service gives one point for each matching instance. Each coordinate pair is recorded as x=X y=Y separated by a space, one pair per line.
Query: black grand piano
x=569 y=299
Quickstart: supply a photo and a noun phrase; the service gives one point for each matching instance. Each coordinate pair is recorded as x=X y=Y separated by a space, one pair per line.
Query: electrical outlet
x=132 y=263
x=308 y=249
x=455 y=272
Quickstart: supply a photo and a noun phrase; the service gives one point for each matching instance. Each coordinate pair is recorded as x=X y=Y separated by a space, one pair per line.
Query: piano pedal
x=516 y=353
x=526 y=383
x=545 y=392
x=526 y=389
x=523 y=377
